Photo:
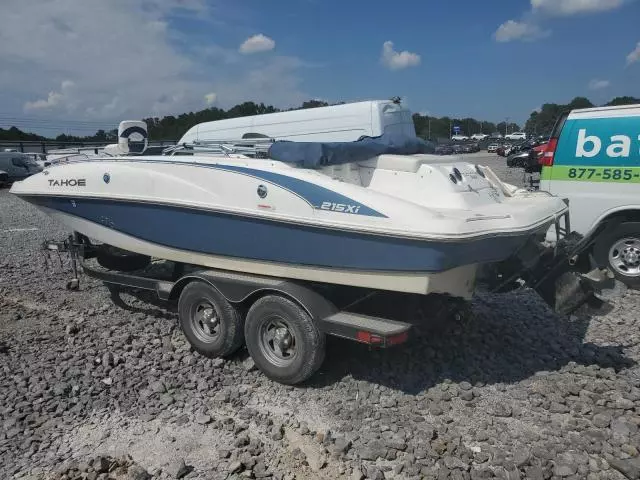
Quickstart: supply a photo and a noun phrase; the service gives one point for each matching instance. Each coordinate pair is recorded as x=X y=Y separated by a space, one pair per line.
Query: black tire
x=307 y=342
x=211 y=340
x=114 y=258
x=614 y=238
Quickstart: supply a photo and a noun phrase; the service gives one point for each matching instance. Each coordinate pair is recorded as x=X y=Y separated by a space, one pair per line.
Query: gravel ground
x=90 y=389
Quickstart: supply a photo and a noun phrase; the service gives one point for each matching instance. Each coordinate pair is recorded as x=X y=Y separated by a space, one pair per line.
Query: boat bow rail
x=256 y=147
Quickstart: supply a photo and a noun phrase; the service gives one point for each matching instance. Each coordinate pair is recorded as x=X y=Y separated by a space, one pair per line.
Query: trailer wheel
x=283 y=340
x=212 y=325
x=619 y=250
x=113 y=258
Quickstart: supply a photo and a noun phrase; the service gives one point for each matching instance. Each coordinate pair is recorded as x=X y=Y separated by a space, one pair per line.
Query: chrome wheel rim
x=205 y=322
x=277 y=342
x=624 y=257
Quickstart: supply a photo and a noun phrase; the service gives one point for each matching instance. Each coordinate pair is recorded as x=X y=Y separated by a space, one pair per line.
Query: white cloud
x=573 y=7
x=512 y=30
x=596 y=84
x=528 y=29
x=634 y=56
x=257 y=43
x=210 y=98
x=57 y=58
x=394 y=60
x=53 y=100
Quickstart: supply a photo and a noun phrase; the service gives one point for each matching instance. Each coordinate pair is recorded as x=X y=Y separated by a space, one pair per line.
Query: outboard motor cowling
x=132 y=137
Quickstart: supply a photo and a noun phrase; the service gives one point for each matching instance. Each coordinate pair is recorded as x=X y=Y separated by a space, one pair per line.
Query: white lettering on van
x=590 y=145
x=583 y=140
x=620 y=149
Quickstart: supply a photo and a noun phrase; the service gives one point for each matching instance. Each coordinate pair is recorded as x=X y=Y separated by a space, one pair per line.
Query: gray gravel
x=94 y=390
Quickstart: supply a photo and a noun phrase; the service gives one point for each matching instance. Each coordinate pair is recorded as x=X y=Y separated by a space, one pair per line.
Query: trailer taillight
x=386 y=341
x=369 y=338
x=546 y=160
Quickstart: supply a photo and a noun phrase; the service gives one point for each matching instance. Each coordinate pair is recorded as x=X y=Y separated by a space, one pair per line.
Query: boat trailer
x=284 y=322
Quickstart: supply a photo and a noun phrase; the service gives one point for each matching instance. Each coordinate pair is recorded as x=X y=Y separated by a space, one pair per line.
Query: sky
x=82 y=65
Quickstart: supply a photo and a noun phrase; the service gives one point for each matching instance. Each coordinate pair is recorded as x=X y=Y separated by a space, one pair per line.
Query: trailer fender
x=238 y=288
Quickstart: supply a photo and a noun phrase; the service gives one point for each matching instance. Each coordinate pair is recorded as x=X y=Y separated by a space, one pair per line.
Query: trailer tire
x=619 y=251
x=113 y=258
x=212 y=325
x=283 y=340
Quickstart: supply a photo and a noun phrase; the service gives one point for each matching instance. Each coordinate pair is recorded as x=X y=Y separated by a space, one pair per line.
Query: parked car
x=457 y=149
x=492 y=148
x=4 y=178
x=459 y=138
x=527 y=160
x=479 y=136
x=496 y=136
x=444 y=150
x=472 y=148
x=516 y=136
x=504 y=150
x=518 y=159
x=18 y=166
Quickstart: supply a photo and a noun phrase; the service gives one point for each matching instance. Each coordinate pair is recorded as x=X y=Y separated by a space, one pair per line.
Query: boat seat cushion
x=402 y=163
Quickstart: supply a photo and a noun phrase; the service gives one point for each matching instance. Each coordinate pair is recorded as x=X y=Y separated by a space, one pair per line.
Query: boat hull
x=275 y=248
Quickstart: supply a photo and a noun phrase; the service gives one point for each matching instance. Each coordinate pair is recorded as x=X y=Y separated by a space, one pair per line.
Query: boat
x=381 y=213
x=277 y=244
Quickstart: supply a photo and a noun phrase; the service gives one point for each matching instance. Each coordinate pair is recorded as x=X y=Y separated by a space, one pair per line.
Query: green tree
x=623 y=101
x=542 y=122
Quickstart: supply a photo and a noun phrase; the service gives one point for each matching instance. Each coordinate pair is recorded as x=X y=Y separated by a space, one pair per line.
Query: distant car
x=492 y=148
x=444 y=150
x=516 y=136
x=458 y=148
x=470 y=148
x=479 y=136
x=4 y=178
x=496 y=136
x=459 y=138
x=518 y=160
x=18 y=166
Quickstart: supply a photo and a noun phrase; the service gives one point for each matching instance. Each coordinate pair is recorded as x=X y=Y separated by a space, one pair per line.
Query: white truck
x=593 y=160
x=337 y=123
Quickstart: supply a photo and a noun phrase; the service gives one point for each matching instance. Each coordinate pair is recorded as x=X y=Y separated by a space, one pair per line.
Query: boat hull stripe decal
x=236 y=236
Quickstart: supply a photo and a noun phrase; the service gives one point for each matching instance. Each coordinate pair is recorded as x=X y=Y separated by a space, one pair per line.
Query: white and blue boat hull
x=348 y=226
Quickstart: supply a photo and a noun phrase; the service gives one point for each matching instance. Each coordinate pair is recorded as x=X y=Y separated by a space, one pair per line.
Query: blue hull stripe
x=266 y=240
x=313 y=194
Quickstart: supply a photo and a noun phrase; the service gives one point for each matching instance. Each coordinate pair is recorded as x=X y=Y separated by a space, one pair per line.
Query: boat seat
x=401 y=163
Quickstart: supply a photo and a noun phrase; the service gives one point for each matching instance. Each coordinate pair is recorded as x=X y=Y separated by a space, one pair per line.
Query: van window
x=18 y=162
x=559 y=125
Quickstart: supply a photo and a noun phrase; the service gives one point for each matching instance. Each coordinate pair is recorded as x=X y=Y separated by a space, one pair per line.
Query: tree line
x=173 y=127
x=541 y=122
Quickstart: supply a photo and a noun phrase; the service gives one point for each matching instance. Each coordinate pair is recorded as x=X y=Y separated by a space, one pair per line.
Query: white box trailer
x=337 y=123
